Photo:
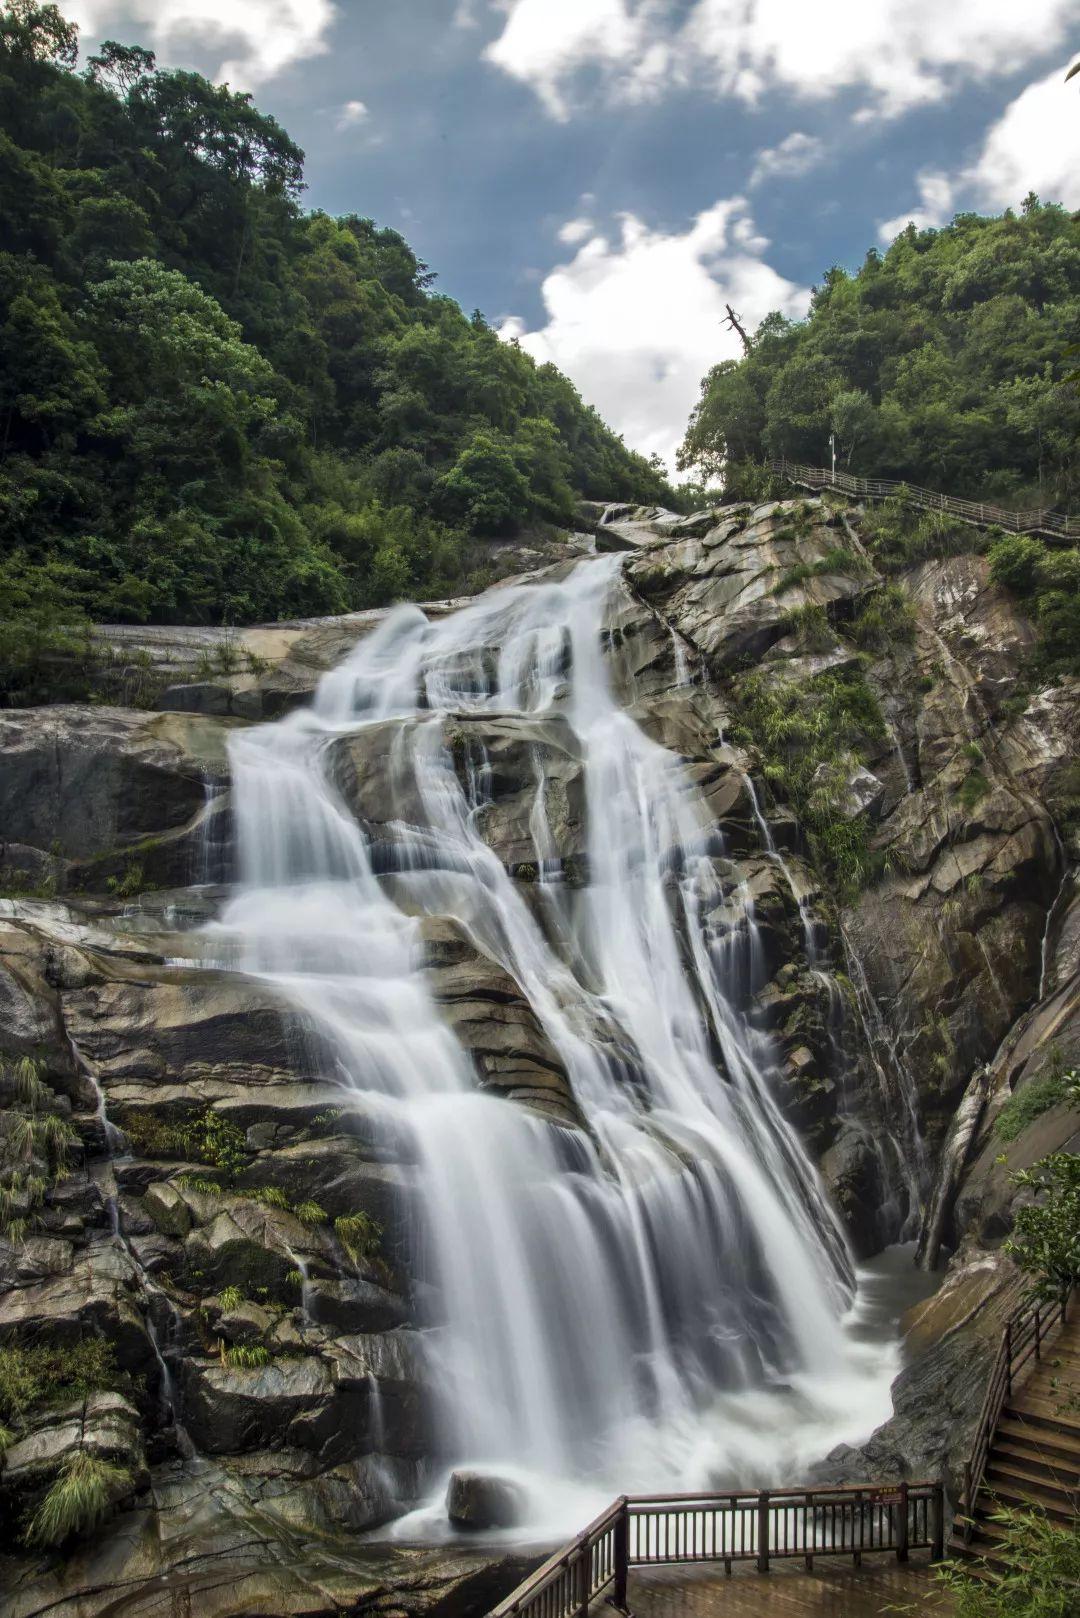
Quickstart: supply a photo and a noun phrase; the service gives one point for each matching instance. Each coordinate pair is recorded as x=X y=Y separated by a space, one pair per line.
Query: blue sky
x=601 y=176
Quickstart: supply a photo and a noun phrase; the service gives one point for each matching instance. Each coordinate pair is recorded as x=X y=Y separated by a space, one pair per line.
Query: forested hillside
x=217 y=407
x=941 y=362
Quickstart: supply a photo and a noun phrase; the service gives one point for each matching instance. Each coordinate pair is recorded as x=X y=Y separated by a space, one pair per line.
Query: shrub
x=1030 y=1102
x=1015 y=561
x=271 y=1196
x=44 y=1374
x=247 y=1356
x=1040 y=1579
x=1045 y=1241
x=80 y=1498
x=359 y=1235
x=885 y=620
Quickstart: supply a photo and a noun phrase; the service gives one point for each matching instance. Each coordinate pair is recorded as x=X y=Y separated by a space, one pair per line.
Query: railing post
x=1008 y=1358
x=622 y=1555
x=763 y=1531
x=937 y=1553
x=902 y=1525
x=584 y=1581
x=969 y=1504
x=1038 y=1337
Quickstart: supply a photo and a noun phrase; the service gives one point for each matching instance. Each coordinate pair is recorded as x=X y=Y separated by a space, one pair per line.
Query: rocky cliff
x=204 y=1263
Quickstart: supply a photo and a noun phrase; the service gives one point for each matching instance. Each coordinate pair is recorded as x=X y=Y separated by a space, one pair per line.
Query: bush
x=1015 y=561
x=43 y=1374
x=1045 y=1241
x=1042 y=1577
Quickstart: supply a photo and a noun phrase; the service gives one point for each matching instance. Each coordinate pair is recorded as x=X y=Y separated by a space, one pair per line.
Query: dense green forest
x=217 y=407
x=940 y=362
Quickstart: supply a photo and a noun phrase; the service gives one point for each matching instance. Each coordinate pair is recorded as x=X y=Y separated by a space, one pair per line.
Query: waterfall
x=661 y=1297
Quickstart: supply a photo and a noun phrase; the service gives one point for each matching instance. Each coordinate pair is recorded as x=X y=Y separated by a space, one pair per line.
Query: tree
x=484 y=487
x=120 y=68
x=38 y=33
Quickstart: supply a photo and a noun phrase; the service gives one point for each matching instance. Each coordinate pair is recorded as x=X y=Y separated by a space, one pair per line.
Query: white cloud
x=1033 y=146
x=256 y=38
x=545 y=41
x=796 y=154
x=575 y=230
x=351 y=114
x=898 y=53
x=937 y=198
x=636 y=322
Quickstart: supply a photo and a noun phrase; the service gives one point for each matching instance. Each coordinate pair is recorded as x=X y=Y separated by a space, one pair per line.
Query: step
x=1045 y=1416
x=1057 y=1504
x=1052 y=1448
x=1008 y=1460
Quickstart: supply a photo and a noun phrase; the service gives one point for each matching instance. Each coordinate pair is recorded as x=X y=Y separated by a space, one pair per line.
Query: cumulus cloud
x=351 y=114
x=796 y=154
x=636 y=321
x=1033 y=146
x=575 y=230
x=256 y=38
x=897 y=53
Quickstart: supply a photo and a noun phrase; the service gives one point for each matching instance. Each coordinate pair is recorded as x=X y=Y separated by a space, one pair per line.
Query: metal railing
x=1049 y=523
x=757 y=1526
x=1025 y=1333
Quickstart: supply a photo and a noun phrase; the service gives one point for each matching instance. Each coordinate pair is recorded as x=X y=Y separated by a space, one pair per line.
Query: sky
x=600 y=177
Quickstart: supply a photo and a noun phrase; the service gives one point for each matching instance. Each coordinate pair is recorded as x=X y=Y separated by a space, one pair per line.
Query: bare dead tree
x=733 y=323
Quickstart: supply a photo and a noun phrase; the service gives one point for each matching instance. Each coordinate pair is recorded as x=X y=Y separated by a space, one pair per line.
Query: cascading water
x=661 y=1297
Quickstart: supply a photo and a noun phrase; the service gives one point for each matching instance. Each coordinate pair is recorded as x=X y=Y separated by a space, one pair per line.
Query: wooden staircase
x=1027 y=1451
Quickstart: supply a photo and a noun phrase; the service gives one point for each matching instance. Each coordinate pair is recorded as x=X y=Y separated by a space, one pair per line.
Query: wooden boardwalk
x=834 y=1589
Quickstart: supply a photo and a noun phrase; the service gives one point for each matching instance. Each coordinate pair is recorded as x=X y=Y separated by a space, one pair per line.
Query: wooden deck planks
x=832 y=1590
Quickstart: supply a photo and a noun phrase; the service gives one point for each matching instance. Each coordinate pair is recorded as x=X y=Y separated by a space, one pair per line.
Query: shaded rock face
x=261 y=1302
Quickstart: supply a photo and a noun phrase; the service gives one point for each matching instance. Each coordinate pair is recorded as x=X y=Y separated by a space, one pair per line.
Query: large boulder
x=478 y=1500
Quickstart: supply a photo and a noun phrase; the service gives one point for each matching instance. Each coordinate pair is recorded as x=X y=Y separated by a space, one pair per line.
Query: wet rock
x=104 y=1424
x=477 y=1500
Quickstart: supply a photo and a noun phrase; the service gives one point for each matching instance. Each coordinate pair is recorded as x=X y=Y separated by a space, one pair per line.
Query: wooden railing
x=1050 y=523
x=1025 y=1333
x=756 y=1526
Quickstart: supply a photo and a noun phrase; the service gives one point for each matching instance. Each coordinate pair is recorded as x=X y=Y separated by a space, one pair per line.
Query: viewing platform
x=828 y=1591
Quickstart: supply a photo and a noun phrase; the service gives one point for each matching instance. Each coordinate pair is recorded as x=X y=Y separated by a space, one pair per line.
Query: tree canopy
x=215 y=406
x=940 y=362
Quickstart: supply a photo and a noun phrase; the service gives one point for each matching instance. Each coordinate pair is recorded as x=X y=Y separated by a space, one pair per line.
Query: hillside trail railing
x=1025 y=1335
x=1051 y=524
x=757 y=1526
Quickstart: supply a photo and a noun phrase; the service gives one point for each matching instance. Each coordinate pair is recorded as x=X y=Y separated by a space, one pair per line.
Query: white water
x=662 y=1299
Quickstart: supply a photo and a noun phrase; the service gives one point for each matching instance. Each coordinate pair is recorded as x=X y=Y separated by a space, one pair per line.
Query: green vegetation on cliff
x=941 y=362
x=217 y=407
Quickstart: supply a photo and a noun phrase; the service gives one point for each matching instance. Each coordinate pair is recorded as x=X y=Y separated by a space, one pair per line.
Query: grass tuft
x=80 y=1498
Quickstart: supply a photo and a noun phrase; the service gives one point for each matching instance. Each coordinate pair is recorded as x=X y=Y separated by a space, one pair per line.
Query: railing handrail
x=1022 y=1337
x=1039 y=521
x=702 y=1528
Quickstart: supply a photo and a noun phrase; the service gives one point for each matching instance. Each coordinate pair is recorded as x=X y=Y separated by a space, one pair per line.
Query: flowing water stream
x=661 y=1298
